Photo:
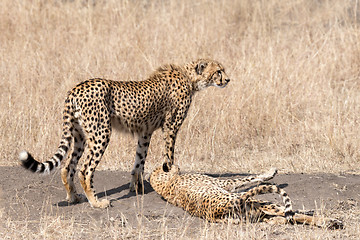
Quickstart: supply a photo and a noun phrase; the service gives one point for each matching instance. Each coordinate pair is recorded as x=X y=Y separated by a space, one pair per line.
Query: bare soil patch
x=28 y=197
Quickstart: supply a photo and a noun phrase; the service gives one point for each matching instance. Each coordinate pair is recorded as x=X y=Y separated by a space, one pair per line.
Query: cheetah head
x=205 y=73
x=161 y=176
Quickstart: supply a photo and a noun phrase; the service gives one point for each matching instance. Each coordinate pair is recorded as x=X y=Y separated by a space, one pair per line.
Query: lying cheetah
x=93 y=107
x=216 y=200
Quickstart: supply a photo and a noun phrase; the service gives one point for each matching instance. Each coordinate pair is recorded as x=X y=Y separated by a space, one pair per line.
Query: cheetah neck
x=196 y=82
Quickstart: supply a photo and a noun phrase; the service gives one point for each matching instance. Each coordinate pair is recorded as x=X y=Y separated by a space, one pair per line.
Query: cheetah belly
x=137 y=125
x=204 y=200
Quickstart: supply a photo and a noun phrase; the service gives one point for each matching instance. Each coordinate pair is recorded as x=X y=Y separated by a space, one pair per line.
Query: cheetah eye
x=219 y=73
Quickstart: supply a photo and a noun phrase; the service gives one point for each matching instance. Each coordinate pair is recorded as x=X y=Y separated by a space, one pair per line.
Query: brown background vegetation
x=293 y=101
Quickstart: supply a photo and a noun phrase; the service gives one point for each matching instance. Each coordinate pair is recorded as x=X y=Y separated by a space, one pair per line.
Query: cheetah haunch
x=217 y=200
x=93 y=107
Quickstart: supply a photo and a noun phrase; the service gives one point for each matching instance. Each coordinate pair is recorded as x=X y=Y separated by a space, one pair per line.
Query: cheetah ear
x=165 y=167
x=200 y=67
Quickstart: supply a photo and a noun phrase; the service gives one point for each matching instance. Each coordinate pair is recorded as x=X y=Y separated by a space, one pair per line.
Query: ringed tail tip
x=28 y=161
x=23 y=156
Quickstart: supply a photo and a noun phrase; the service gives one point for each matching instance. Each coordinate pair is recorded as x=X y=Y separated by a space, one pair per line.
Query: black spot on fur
x=139 y=155
x=165 y=167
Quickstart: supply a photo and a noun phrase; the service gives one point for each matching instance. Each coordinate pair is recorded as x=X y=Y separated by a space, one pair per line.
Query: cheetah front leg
x=172 y=125
x=136 y=183
x=233 y=185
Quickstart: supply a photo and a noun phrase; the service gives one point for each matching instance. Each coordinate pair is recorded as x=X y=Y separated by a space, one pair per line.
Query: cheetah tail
x=33 y=165
x=263 y=189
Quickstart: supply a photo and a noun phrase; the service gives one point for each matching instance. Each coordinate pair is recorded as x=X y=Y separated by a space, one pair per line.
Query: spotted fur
x=95 y=106
x=215 y=200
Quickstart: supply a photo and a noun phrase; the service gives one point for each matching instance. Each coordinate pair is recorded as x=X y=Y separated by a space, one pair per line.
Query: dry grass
x=293 y=102
x=52 y=226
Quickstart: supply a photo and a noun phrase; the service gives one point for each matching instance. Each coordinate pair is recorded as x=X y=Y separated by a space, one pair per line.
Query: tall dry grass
x=293 y=101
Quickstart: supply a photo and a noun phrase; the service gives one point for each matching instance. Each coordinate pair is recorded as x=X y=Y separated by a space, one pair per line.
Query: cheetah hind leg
x=68 y=171
x=322 y=222
x=86 y=173
x=71 y=196
x=318 y=221
x=308 y=217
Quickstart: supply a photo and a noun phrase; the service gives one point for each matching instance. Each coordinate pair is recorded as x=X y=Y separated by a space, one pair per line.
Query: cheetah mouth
x=222 y=85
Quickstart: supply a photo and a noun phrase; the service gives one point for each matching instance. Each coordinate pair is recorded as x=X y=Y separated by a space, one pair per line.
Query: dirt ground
x=28 y=197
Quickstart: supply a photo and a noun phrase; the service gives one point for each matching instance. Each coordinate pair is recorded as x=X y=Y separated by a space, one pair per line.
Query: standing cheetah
x=94 y=106
x=217 y=200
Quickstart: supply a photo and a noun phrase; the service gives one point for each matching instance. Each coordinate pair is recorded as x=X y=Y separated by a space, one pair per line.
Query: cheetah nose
x=227 y=80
